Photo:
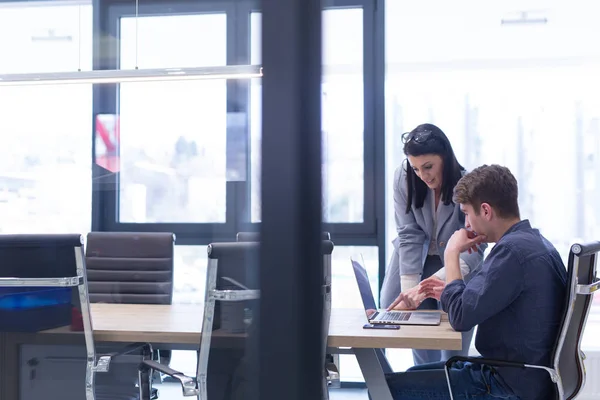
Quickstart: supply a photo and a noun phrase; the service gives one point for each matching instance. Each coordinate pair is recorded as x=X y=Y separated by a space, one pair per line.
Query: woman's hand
x=408 y=300
x=432 y=287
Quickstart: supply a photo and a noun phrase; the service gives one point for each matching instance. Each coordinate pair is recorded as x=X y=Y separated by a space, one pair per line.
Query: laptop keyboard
x=395 y=316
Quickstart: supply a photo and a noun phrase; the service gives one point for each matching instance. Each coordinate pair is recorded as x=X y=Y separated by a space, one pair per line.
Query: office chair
x=331 y=372
x=232 y=276
x=132 y=268
x=255 y=236
x=34 y=264
x=567 y=370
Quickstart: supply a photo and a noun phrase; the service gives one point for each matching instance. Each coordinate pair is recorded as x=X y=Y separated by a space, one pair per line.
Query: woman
x=426 y=217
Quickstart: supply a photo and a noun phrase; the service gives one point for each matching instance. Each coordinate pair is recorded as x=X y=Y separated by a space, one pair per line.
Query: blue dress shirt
x=516 y=298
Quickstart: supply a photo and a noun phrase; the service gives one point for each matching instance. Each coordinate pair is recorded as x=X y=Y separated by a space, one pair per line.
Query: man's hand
x=408 y=300
x=463 y=240
x=432 y=287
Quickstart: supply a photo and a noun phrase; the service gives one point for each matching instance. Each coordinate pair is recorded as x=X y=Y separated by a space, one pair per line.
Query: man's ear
x=486 y=211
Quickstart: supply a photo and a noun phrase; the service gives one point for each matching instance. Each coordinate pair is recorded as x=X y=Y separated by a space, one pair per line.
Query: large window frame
x=106 y=193
x=107 y=15
x=364 y=233
x=370 y=232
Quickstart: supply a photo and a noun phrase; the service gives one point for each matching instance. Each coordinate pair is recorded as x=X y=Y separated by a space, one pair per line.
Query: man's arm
x=452 y=266
x=492 y=289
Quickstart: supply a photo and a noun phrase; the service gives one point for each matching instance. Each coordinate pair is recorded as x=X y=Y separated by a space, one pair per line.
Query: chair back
x=255 y=236
x=48 y=267
x=42 y=281
x=233 y=264
x=327 y=251
x=130 y=267
x=327 y=248
x=231 y=306
x=581 y=284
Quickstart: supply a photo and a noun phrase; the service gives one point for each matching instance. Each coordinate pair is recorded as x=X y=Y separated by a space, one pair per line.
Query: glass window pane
x=525 y=96
x=45 y=158
x=188 y=288
x=189 y=274
x=342 y=120
x=173 y=134
x=45 y=37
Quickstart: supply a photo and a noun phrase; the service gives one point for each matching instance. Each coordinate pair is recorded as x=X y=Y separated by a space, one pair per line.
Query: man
x=515 y=298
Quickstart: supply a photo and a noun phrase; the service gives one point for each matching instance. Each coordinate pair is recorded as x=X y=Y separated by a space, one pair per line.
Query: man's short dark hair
x=492 y=184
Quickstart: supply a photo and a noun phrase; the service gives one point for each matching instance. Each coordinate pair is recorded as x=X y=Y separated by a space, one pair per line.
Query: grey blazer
x=414 y=235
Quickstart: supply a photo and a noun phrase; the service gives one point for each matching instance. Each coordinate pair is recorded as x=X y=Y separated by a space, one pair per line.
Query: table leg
x=385 y=365
x=374 y=373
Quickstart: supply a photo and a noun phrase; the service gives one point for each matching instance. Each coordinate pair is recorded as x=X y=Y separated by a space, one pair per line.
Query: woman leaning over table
x=426 y=217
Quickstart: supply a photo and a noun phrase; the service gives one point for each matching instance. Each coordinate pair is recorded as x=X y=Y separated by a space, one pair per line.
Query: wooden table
x=179 y=327
x=182 y=324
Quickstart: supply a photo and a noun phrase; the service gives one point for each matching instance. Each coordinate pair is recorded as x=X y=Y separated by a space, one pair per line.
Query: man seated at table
x=515 y=298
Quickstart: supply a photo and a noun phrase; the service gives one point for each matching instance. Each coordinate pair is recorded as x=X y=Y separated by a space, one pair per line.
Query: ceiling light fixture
x=134 y=75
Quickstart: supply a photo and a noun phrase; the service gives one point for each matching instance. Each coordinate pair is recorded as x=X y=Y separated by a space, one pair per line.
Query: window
x=522 y=95
x=342 y=120
x=173 y=134
x=176 y=140
x=45 y=159
x=189 y=278
x=188 y=288
x=171 y=137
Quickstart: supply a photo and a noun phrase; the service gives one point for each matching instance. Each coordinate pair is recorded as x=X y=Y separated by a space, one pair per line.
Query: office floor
x=172 y=391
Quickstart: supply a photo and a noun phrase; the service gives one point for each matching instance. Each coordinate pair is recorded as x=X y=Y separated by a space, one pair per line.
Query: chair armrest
x=493 y=363
x=485 y=361
x=476 y=360
x=188 y=384
x=138 y=348
x=589 y=289
x=104 y=359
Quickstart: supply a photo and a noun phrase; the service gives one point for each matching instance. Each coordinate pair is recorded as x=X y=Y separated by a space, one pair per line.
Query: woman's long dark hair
x=429 y=139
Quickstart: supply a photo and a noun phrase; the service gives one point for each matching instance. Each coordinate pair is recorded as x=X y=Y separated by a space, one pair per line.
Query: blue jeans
x=469 y=381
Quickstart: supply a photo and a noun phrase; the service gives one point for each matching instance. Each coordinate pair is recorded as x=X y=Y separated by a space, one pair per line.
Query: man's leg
x=429 y=382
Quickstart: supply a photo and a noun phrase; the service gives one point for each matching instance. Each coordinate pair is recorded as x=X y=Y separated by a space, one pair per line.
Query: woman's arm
x=411 y=237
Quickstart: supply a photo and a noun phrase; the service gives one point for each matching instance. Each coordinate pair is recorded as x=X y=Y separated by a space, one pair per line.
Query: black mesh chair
x=331 y=371
x=231 y=277
x=567 y=370
x=50 y=271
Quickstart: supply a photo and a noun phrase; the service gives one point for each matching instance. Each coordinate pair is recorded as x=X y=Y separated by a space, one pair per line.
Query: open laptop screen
x=364 y=286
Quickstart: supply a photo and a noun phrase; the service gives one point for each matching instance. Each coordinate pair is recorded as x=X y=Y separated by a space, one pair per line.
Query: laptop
x=376 y=316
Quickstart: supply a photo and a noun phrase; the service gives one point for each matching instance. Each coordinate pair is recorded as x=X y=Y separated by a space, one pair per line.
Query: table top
x=182 y=323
